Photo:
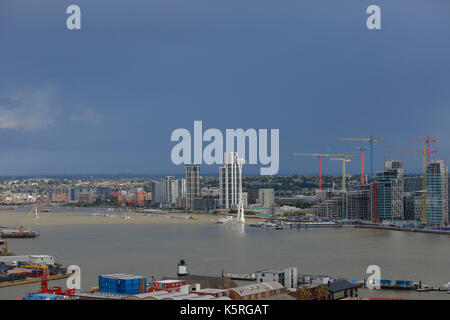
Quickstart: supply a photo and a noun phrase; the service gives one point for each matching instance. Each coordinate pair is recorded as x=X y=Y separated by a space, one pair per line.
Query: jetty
x=32 y=280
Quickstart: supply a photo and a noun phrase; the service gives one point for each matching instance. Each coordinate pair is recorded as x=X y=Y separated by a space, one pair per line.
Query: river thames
x=151 y=245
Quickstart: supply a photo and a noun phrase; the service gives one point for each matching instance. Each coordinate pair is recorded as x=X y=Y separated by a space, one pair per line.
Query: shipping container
x=122 y=283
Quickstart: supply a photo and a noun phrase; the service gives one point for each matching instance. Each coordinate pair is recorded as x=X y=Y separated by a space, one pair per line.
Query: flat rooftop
x=121 y=276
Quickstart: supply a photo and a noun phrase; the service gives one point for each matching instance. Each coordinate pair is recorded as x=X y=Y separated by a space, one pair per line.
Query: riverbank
x=402 y=229
x=32 y=280
x=77 y=217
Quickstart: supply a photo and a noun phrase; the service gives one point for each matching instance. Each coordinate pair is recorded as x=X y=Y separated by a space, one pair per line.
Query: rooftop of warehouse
x=206 y=281
x=99 y=295
x=211 y=290
x=270 y=271
x=170 y=281
x=257 y=288
x=208 y=297
x=341 y=285
x=121 y=276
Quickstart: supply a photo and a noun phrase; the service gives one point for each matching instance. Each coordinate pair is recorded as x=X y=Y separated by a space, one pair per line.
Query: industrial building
x=286 y=277
x=256 y=291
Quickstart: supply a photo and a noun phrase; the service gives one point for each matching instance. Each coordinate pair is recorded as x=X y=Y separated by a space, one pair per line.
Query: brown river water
x=151 y=245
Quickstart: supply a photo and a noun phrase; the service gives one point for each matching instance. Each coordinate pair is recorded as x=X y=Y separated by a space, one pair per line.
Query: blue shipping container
x=124 y=285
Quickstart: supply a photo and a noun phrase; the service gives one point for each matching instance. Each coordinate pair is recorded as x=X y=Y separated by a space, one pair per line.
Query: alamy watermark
x=73 y=21
x=235 y=141
x=374 y=280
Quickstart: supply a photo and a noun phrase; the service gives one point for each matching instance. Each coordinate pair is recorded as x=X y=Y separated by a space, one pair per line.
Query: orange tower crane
x=362 y=164
x=425 y=152
x=370 y=140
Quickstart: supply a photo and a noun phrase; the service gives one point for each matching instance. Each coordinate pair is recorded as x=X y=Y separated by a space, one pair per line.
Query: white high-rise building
x=177 y=190
x=230 y=184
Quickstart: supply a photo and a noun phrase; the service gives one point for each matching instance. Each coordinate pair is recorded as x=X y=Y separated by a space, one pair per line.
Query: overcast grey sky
x=106 y=99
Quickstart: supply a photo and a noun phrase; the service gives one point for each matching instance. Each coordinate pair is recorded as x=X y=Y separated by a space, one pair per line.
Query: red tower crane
x=428 y=142
x=320 y=156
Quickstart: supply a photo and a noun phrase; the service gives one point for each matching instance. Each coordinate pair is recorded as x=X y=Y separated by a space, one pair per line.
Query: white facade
x=30 y=259
x=229 y=181
x=266 y=197
x=286 y=277
x=43 y=260
x=177 y=190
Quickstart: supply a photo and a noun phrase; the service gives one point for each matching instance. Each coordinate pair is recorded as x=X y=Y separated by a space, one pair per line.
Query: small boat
x=258 y=225
x=225 y=220
x=270 y=225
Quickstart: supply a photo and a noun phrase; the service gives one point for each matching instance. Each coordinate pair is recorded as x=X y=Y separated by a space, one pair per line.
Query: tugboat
x=182 y=268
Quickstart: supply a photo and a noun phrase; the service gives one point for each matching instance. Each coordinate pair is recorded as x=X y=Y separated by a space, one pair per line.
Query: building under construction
x=358 y=203
x=331 y=205
x=351 y=205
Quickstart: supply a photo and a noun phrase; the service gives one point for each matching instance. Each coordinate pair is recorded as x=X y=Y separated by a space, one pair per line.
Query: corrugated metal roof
x=257 y=288
x=211 y=290
x=121 y=276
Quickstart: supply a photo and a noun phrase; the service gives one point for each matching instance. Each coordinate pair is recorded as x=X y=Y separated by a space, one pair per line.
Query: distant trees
x=316 y=293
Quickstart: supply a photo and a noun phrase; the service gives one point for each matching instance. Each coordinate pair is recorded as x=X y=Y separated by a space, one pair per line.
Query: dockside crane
x=30 y=213
x=371 y=141
x=320 y=156
x=425 y=152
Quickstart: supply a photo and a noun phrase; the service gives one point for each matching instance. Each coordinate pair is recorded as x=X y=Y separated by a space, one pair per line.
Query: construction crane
x=320 y=156
x=344 y=191
x=30 y=213
x=344 y=161
x=362 y=150
x=371 y=140
x=425 y=152
x=428 y=143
